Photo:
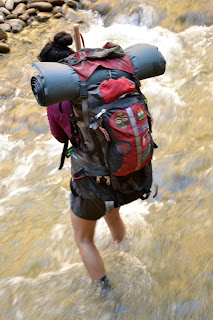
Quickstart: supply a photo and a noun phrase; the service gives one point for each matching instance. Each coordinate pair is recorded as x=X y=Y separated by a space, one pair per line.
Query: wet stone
x=16 y=25
x=5 y=11
x=11 y=16
x=6 y=27
x=28 y=22
x=56 y=2
x=57 y=10
x=3 y=34
x=71 y=15
x=72 y=4
x=4 y=48
x=33 y=1
x=19 y=1
x=42 y=6
x=20 y=9
x=9 y=5
x=1 y=19
x=86 y=5
x=64 y=8
x=58 y=15
x=24 y=16
x=31 y=11
x=102 y=8
x=43 y=16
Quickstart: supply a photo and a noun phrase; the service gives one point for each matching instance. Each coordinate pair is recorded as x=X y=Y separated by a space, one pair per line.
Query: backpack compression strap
x=64 y=153
x=72 y=118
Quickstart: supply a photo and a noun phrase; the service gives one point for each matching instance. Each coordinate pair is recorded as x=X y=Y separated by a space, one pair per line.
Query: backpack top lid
x=86 y=61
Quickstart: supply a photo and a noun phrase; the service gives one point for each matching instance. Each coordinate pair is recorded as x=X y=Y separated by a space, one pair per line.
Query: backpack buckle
x=98 y=179
x=83 y=90
x=107 y=180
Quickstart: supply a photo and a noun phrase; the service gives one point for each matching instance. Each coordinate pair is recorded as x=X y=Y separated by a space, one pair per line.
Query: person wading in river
x=109 y=126
x=84 y=212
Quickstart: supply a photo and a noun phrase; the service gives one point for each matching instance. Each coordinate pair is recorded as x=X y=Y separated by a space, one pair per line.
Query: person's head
x=57 y=49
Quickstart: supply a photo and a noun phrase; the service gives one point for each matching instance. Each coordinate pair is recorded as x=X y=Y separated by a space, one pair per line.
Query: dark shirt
x=59 y=124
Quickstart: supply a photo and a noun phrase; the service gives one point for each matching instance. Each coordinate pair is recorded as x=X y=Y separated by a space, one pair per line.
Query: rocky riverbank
x=15 y=15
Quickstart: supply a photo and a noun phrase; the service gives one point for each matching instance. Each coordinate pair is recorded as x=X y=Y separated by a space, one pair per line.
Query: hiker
x=84 y=212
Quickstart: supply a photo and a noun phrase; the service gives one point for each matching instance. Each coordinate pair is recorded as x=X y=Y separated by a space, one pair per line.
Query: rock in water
x=42 y=6
x=3 y=34
x=16 y=25
x=56 y=2
x=6 y=27
x=20 y=9
x=1 y=19
x=9 y=5
x=43 y=16
x=4 y=48
x=5 y=11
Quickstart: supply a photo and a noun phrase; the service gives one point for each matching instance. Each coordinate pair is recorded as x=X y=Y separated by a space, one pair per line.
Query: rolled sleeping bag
x=147 y=60
x=57 y=82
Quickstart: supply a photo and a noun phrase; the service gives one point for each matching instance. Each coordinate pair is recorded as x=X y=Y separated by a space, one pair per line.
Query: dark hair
x=57 y=49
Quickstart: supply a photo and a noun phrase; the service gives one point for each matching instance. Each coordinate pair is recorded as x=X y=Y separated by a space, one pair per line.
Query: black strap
x=63 y=155
x=72 y=118
x=136 y=81
x=73 y=190
x=98 y=148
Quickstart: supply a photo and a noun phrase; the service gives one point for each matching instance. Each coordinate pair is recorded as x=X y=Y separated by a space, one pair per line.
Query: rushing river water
x=164 y=269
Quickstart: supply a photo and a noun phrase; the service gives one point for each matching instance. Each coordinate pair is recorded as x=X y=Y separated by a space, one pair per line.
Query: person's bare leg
x=84 y=234
x=116 y=225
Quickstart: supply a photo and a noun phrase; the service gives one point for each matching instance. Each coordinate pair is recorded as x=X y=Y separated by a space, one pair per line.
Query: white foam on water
x=14 y=193
x=167 y=95
x=8 y=145
x=58 y=232
x=18 y=175
x=17 y=93
x=2 y=110
x=198 y=35
x=39 y=137
x=126 y=35
x=21 y=279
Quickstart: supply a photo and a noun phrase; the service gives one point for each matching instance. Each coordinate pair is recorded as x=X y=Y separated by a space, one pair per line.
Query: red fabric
x=110 y=45
x=82 y=40
x=113 y=89
x=87 y=67
x=122 y=129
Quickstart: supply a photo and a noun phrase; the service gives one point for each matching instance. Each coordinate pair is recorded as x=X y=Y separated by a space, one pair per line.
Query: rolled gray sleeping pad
x=57 y=82
x=147 y=60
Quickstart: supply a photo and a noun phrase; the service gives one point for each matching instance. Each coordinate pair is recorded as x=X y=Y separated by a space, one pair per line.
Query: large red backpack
x=111 y=128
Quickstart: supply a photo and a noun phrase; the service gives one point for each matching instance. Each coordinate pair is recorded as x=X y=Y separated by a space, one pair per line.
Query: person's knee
x=83 y=239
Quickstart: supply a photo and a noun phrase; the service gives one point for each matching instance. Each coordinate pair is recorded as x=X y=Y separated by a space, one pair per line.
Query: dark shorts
x=89 y=209
x=91 y=200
